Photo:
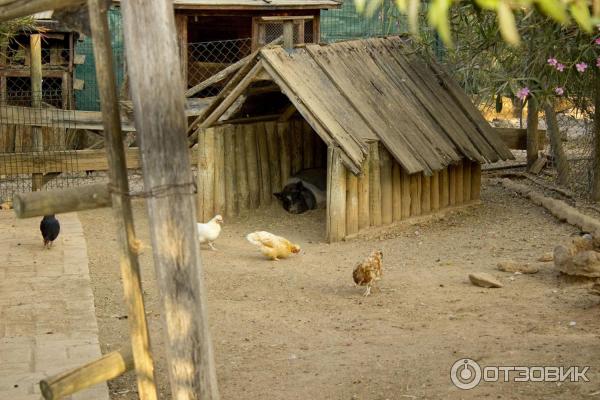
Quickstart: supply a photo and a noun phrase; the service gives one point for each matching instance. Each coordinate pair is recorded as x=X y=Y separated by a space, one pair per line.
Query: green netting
x=346 y=23
x=88 y=98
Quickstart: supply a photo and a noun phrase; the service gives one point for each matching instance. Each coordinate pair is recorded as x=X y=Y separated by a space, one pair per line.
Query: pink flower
x=560 y=67
x=597 y=41
x=581 y=67
x=552 y=61
x=559 y=91
x=523 y=93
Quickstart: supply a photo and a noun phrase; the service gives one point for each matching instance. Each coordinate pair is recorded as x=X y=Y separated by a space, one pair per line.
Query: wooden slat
x=385 y=166
x=459 y=182
x=396 y=192
x=274 y=159
x=475 y=181
x=266 y=194
x=406 y=199
x=415 y=195
x=336 y=196
x=435 y=191
x=231 y=206
x=206 y=175
x=374 y=185
x=219 y=184
x=284 y=131
x=516 y=138
x=351 y=204
x=363 y=196
x=425 y=194
x=466 y=181
x=241 y=170
x=296 y=143
x=252 y=165
x=308 y=149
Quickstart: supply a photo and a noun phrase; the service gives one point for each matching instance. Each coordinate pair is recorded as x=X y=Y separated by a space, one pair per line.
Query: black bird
x=50 y=228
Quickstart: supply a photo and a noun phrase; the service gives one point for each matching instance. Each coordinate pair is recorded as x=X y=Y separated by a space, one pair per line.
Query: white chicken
x=210 y=231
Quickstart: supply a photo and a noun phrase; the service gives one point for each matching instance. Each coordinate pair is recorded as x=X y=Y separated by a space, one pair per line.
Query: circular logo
x=465 y=374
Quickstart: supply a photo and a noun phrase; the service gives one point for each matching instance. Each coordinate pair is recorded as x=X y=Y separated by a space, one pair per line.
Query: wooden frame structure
x=154 y=68
x=398 y=137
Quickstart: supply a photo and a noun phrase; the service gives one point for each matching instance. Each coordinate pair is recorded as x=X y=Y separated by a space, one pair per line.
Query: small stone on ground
x=485 y=280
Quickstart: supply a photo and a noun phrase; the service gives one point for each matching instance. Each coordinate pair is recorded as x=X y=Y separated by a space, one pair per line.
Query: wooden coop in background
x=398 y=137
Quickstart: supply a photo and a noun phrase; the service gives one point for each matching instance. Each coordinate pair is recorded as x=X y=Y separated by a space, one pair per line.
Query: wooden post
x=336 y=196
x=374 y=185
x=231 y=204
x=445 y=187
x=266 y=194
x=37 y=138
x=241 y=174
x=562 y=164
x=363 y=196
x=308 y=146
x=425 y=194
x=351 y=203
x=458 y=182
x=206 y=174
x=108 y=367
x=406 y=200
x=121 y=202
x=219 y=171
x=274 y=149
x=159 y=108
x=288 y=35
x=435 y=191
x=533 y=137
x=297 y=146
x=181 y=25
x=466 y=180
x=396 y=192
x=475 y=180
x=415 y=194
x=452 y=185
x=283 y=131
x=385 y=169
x=252 y=166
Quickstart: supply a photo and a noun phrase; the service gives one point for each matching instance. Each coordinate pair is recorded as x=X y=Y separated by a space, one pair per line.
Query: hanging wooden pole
x=121 y=202
x=37 y=139
x=159 y=109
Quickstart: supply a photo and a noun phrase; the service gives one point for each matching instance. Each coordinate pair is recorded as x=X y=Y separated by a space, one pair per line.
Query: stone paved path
x=47 y=318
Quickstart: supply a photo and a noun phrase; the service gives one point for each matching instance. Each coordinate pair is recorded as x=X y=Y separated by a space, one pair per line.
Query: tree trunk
x=560 y=159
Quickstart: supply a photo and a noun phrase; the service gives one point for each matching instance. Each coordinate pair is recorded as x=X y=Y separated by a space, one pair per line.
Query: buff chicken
x=272 y=246
x=369 y=271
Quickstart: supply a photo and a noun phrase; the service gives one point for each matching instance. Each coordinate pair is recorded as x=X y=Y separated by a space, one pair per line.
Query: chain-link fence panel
x=206 y=59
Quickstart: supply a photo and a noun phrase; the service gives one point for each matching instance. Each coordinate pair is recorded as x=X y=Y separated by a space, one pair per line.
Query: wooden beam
x=108 y=367
x=181 y=25
x=287 y=114
x=287 y=18
x=336 y=196
x=154 y=67
x=288 y=34
x=121 y=202
x=37 y=139
x=40 y=203
x=11 y=9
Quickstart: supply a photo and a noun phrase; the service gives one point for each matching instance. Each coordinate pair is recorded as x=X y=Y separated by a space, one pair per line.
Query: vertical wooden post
x=475 y=180
x=274 y=149
x=351 y=203
x=308 y=146
x=159 y=107
x=206 y=174
x=252 y=166
x=533 y=139
x=385 y=167
x=466 y=180
x=283 y=131
x=266 y=194
x=181 y=25
x=288 y=35
x=241 y=174
x=562 y=163
x=297 y=145
x=452 y=185
x=406 y=200
x=445 y=187
x=363 y=196
x=396 y=192
x=425 y=194
x=231 y=199
x=374 y=185
x=415 y=194
x=37 y=138
x=121 y=202
x=458 y=182
x=336 y=196
x=219 y=171
x=435 y=191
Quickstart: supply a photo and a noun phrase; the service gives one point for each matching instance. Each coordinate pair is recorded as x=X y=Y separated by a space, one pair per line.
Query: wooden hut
x=399 y=138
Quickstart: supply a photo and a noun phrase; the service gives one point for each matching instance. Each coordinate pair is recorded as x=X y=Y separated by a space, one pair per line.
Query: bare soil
x=299 y=329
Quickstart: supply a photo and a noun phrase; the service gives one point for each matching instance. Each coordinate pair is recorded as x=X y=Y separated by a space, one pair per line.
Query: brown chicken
x=273 y=246
x=369 y=271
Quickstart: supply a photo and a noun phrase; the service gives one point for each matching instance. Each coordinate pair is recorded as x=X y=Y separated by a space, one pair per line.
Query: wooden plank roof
x=363 y=90
x=252 y=4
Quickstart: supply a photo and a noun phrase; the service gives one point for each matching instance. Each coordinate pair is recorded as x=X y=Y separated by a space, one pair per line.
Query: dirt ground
x=299 y=329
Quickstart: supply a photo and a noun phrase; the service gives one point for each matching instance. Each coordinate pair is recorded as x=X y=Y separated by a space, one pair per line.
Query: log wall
x=240 y=166
x=252 y=161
